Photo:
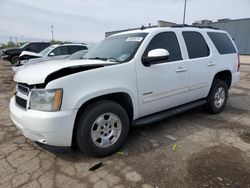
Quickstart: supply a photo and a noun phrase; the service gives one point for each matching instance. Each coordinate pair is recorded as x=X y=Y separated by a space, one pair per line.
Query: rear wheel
x=217 y=97
x=102 y=128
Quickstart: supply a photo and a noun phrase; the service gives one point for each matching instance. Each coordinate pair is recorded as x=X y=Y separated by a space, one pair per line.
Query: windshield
x=78 y=55
x=121 y=48
x=24 y=45
x=46 y=50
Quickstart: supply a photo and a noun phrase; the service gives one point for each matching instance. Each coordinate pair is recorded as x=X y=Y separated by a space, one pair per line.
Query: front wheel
x=102 y=128
x=217 y=97
x=14 y=60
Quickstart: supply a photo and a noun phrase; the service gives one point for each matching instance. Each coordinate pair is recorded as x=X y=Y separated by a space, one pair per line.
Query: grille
x=23 y=88
x=21 y=102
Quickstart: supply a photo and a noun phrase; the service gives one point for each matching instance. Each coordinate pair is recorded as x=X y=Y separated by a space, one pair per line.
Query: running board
x=167 y=113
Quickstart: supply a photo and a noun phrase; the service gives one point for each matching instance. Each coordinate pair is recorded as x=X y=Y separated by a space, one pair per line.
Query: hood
x=27 y=54
x=38 y=73
x=9 y=50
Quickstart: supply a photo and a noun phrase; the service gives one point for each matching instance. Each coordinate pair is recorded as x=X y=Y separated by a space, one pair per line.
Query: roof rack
x=195 y=26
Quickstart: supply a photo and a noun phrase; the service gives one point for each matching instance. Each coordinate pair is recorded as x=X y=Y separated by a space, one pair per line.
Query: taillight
x=238 y=62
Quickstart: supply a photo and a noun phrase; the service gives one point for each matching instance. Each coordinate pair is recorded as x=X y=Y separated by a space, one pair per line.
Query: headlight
x=46 y=99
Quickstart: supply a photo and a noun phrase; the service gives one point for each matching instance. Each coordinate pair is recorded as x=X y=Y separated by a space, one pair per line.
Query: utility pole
x=10 y=41
x=52 y=32
x=184 y=13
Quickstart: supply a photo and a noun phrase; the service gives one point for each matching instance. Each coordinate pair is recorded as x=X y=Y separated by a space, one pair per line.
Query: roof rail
x=195 y=26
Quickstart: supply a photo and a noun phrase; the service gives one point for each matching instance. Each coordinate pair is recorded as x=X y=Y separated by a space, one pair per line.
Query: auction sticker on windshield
x=134 y=39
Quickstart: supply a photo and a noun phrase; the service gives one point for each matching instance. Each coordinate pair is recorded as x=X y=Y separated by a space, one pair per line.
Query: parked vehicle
x=130 y=79
x=12 y=54
x=53 y=52
x=77 y=55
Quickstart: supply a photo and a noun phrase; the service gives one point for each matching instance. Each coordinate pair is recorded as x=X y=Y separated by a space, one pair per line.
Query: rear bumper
x=235 y=78
x=50 y=128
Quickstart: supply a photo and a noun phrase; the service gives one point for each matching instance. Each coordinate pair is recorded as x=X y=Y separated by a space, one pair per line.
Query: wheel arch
x=122 y=98
x=224 y=75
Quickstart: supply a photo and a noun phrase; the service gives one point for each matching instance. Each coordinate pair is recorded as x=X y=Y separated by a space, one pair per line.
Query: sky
x=88 y=20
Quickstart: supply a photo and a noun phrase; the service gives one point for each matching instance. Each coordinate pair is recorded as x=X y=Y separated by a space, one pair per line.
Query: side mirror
x=155 y=55
x=51 y=54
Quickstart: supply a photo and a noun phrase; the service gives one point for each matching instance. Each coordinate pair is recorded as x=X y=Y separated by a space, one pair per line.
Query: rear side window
x=222 y=42
x=168 y=41
x=196 y=44
x=73 y=49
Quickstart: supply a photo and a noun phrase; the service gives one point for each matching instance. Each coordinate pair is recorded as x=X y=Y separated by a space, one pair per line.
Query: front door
x=163 y=84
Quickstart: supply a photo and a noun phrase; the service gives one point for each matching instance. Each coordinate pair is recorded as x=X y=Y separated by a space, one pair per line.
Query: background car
x=12 y=54
x=78 y=55
x=53 y=52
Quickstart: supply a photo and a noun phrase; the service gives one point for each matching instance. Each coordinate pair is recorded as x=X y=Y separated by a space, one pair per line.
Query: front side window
x=167 y=41
x=196 y=44
x=61 y=50
x=47 y=50
x=121 y=48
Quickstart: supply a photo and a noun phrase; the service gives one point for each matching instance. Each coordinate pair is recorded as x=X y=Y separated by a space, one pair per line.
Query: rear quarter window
x=222 y=42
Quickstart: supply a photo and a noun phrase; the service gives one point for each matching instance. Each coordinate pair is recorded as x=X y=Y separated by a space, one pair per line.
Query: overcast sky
x=87 y=20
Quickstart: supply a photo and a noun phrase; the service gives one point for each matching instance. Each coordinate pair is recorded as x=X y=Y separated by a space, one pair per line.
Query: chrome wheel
x=219 y=97
x=106 y=130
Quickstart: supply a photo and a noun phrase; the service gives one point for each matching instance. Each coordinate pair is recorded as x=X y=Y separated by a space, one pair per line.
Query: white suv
x=130 y=79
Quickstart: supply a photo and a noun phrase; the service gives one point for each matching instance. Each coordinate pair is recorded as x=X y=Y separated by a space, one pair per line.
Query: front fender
x=83 y=86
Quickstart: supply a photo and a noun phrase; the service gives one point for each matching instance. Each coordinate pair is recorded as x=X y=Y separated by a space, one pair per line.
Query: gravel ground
x=193 y=150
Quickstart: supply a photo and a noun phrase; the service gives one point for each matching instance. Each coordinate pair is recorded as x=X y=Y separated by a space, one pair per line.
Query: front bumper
x=50 y=128
x=5 y=57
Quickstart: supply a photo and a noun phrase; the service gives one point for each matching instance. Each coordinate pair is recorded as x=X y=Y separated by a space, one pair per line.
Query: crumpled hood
x=11 y=50
x=37 y=73
x=29 y=54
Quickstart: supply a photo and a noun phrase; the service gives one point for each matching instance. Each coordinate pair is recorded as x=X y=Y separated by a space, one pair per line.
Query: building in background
x=238 y=29
x=160 y=23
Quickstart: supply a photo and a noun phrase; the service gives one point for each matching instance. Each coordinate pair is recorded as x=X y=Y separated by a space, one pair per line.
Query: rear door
x=199 y=62
x=164 y=84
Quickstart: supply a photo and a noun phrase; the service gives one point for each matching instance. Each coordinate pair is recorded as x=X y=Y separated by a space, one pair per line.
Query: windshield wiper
x=113 y=59
x=98 y=58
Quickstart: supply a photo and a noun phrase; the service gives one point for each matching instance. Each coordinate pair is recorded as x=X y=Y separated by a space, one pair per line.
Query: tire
x=14 y=60
x=101 y=120
x=217 y=97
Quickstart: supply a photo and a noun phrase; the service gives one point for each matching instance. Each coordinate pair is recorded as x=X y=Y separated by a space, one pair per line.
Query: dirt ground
x=209 y=150
x=245 y=59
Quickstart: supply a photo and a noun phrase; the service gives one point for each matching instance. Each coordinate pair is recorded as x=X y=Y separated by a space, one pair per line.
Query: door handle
x=211 y=63
x=180 y=69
